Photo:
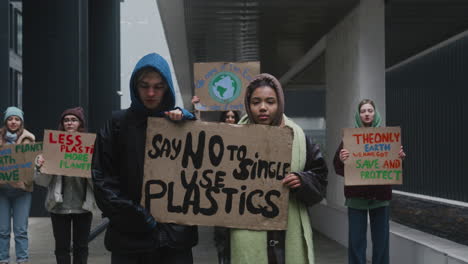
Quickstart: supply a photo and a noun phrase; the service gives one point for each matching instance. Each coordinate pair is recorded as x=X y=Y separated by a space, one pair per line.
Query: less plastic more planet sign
x=68 y=154
x=221 y=85
x=373 y=156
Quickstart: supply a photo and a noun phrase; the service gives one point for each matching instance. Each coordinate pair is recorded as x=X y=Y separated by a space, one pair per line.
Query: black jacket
x=314 y=177
x=117 y=172
x=312 y=190
x=370 y=192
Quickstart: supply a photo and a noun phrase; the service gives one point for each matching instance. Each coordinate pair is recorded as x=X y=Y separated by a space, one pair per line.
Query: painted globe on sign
x=225 y=87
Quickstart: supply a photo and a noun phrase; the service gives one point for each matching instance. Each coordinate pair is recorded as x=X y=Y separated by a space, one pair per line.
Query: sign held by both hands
x=217 y=174
x=68 y=154
x=373 y=156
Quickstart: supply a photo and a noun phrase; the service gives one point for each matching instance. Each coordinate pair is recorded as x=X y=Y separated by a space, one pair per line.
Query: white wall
x=141 y=33
x=355 y=70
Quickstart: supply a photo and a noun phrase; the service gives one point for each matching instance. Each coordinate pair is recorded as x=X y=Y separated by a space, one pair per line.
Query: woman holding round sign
x=15 y=197
x=229 y=116
x=69 y=200
x=264 y=101
x=372 y=200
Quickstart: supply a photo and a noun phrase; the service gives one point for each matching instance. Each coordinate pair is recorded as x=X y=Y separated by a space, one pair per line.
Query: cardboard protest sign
x=373 y=156
x=17 y=162
x=216 y=174
x=221 y=85
x=68 y=154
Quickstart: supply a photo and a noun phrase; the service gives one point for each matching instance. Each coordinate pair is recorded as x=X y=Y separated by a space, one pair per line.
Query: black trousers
x=164 y=255
x=62 y=227
x=223 y=245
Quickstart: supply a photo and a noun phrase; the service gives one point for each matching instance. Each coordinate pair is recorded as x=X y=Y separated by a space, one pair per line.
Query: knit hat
x=13 y=111
x=79 y=113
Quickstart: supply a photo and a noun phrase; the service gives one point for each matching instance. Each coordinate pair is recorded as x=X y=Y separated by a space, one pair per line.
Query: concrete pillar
x=173 y=19
x=355 y=69
x=54 y=60
x=55 y=67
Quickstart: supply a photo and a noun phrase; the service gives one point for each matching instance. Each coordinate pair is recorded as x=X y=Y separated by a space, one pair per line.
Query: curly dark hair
x=222 y=118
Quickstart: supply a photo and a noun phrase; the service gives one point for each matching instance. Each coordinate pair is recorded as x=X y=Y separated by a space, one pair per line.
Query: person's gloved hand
x=157 y=231
x=148 y=218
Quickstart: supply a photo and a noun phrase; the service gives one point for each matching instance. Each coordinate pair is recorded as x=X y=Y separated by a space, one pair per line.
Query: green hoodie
x=361 y=203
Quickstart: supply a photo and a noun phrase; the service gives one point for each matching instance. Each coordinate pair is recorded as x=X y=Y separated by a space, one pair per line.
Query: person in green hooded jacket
x=372 y=200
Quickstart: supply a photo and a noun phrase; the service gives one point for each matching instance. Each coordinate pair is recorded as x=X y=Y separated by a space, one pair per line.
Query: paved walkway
x=42 y=246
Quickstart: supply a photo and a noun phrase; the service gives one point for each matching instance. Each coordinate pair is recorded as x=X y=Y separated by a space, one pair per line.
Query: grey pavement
x=41 y=243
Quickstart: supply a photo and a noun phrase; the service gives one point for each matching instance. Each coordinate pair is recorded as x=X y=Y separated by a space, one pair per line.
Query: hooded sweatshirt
x=363 y=196
x=248 y=246
x=279 y=94
x=118 y=172
x=168 y=103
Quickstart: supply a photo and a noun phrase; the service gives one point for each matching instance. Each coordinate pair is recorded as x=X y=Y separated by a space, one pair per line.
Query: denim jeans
x=14 y=203
x=357 y=237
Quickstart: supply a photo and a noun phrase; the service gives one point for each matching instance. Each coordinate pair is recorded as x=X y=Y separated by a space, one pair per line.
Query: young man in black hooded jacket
x=133 y=236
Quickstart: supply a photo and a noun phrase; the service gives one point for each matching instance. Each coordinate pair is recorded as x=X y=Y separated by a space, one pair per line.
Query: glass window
x=19 y=33
x=19 y=88
x=13 y=85
x=12 y=27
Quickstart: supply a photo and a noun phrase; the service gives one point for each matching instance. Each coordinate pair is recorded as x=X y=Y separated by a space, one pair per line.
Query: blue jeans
x=14 y=203
x=357 y=236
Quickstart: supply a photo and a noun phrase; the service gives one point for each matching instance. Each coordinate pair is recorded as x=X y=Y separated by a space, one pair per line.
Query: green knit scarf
x=248 y=246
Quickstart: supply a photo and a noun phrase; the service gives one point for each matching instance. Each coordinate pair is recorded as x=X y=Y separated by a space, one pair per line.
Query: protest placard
x=68 y=154
x=217 y=174
x=221 y=85
x=17 y=162
x=373 y=156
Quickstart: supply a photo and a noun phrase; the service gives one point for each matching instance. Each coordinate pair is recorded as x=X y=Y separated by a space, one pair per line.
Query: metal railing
x=98 y=229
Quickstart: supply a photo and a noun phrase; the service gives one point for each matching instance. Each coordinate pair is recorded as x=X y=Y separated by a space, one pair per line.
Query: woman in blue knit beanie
x=15 y=197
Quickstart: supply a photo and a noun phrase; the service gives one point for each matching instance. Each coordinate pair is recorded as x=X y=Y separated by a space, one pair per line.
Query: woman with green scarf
x=264 y=103
x=363 y=200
